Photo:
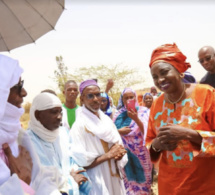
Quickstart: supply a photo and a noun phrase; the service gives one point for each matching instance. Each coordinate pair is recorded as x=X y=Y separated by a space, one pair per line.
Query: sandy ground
x=155 y=185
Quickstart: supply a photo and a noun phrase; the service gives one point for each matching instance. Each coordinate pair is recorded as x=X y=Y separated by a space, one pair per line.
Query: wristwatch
x=156 y=150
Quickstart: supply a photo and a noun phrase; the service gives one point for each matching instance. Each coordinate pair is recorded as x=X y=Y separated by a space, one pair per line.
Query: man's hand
x=22 y=165
x=79 y=178
x=116 y=152
x=109 y=85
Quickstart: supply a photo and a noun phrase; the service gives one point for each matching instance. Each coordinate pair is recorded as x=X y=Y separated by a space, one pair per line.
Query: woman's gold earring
x=182 y=75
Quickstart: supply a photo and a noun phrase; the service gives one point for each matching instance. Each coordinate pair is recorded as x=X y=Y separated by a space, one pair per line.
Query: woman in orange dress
x=181 y=127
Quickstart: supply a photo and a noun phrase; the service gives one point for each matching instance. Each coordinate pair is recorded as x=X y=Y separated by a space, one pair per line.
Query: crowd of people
x=96 y=148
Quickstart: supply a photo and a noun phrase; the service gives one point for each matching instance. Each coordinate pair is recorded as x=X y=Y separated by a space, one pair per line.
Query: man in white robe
x=20 y=170
x=51 y=141
x=97 y=145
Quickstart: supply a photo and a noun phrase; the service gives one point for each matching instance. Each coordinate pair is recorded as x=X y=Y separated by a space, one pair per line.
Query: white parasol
x=24 y=21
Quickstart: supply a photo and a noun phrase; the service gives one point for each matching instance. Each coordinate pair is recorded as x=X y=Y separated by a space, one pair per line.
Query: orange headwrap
x=170 y=53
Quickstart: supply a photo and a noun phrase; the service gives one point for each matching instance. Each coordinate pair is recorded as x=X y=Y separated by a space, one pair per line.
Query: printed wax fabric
x=187 y=170
x=170 y=54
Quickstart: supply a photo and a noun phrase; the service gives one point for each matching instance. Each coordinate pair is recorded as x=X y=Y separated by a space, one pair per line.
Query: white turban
x=43 y=101
x=10 y=72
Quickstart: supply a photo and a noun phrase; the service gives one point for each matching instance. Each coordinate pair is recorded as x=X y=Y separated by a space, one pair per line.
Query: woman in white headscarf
x=51 y=141
x=20 y=173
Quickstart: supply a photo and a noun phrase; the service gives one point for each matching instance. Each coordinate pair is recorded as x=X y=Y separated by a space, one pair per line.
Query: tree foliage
x=121 y=75
x=61 y=74
x=24 y=119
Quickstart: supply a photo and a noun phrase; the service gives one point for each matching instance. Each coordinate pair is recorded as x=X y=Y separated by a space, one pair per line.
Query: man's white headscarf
x=43 y=101
x=10 y=72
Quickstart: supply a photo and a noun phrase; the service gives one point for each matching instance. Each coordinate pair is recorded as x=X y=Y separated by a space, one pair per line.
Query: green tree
x=121 y=75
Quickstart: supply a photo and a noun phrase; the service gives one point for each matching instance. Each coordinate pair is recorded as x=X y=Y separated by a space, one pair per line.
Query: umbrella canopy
x=24 y=21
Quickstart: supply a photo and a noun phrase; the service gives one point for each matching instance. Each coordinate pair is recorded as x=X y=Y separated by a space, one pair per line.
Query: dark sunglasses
x=207 y=59
x=18 y=86
x=91 y=96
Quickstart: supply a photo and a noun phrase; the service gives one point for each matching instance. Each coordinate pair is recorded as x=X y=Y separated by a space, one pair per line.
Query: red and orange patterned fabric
x=170 y=53
x=186 y=171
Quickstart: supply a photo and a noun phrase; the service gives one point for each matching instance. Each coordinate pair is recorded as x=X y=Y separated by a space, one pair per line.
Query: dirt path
x=155 y=185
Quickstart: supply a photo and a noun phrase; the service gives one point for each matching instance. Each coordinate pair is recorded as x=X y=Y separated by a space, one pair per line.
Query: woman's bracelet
x=156 y=150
